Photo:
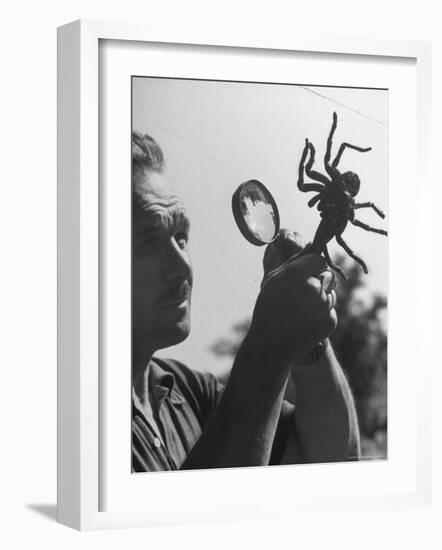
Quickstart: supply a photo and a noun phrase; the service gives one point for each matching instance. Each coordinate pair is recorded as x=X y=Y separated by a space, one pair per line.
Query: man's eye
x=182 y=239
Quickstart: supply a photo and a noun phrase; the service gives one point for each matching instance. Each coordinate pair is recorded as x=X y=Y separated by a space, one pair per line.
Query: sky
x=216 y=135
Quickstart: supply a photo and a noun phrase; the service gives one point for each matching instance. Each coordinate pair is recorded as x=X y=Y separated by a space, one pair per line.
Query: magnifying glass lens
x=255 y=212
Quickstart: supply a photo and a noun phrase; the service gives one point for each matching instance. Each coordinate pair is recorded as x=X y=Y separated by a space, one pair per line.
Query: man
x=183 y=419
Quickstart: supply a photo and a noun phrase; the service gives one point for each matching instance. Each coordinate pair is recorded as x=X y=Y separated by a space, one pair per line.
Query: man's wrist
x=313 y=355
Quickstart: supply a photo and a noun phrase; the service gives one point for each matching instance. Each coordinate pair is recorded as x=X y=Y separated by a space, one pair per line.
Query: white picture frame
x=79 y=474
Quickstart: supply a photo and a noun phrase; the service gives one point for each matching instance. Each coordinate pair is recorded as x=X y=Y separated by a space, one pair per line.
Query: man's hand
x=279 y=251
x=295 y=308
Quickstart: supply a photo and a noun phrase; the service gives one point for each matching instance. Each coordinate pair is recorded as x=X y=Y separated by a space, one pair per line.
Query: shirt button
x=157 y=442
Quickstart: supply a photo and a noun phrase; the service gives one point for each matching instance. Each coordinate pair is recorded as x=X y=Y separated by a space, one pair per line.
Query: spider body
x=335 y=198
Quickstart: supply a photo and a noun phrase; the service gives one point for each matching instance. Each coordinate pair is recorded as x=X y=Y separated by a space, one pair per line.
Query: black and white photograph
x=259 y=274
x=219 y=275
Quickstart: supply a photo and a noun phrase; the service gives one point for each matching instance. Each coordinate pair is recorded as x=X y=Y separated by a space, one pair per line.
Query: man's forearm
x=325 y=415
x=242 y=428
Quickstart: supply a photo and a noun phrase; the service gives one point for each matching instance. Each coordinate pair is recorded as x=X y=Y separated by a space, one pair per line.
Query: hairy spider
x=335 y=198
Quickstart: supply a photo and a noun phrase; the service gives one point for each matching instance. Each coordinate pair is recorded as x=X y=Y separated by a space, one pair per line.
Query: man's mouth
x=177 y=294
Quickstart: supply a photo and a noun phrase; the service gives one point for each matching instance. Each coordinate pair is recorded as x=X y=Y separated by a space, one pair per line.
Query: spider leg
x=369 y=205
x=317 y=176
x=368 y=228
x=314 y=200
x=306 y=186
x=350 y=252
x=350 y=146
x=330 y=169
x=331 y=264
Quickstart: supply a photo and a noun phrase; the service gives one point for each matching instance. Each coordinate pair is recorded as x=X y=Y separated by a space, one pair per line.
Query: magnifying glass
x=256 y=213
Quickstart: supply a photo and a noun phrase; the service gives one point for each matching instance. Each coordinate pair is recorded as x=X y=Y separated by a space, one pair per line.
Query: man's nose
x=177 y=262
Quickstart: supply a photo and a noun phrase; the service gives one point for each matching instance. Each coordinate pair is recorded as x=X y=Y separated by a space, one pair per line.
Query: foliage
x=360 y=343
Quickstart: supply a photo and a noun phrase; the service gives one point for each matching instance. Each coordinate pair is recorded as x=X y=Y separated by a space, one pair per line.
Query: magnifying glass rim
x=239 y=218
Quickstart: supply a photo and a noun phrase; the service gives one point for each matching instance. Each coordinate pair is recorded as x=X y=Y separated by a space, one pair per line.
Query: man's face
x=162 y=271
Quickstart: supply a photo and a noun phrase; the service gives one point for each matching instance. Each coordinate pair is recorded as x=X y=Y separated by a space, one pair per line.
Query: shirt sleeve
x=201 y=390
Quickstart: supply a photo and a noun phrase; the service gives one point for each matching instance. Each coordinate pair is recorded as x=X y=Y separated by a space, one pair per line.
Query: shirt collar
x=161 y=382
x=160 y=385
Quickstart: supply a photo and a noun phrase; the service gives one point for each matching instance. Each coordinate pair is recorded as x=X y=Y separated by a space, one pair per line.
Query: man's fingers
x=328 y=281
x=301 y=265
x=331 y=299
x=291 y=242
x=284 y=247
x=310 y=264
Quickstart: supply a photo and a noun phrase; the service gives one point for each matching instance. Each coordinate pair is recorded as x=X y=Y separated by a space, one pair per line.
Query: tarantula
x=335 y=198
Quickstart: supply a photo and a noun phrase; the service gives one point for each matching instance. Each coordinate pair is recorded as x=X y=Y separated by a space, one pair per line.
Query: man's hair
x=147 y=155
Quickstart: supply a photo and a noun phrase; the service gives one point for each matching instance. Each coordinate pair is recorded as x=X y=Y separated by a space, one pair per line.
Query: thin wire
x=343 y=105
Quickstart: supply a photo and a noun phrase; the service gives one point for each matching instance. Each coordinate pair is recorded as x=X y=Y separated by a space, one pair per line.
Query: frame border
x=78 y=203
